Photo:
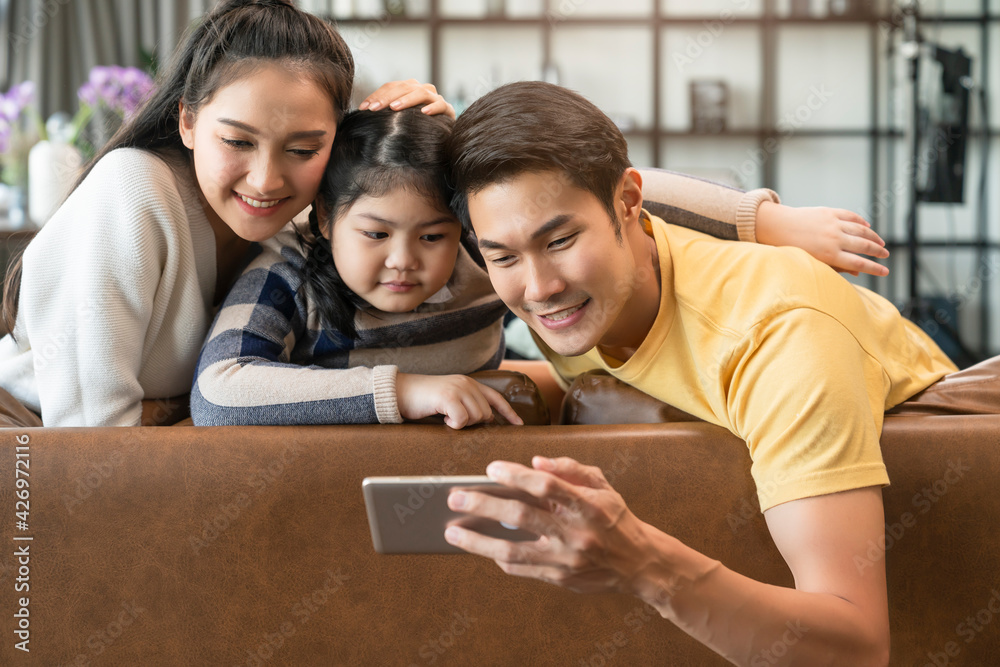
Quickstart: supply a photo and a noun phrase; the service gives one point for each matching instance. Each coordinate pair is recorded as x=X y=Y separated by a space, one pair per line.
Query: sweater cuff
x=384 y=391
x=746 y=212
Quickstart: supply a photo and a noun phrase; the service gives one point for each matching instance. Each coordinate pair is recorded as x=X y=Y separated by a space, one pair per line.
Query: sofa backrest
x=250 y=546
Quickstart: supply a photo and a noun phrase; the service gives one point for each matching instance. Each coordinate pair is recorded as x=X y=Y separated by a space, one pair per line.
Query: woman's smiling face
x=260 y=147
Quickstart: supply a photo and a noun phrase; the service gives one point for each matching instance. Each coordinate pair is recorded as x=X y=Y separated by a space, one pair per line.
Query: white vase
x=53 y=168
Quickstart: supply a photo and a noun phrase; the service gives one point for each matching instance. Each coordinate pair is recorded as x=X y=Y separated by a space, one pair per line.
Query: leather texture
x=13 y=413
x=250 y=545
x=973 y=391
x=597 y=397
x=520 y=391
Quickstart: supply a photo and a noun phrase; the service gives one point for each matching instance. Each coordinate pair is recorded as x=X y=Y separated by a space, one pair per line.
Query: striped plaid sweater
x=268 y=359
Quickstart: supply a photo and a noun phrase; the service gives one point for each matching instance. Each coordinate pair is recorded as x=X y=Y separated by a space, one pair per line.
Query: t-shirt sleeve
x=809 y=402
x=255 y=364
x=702 y=205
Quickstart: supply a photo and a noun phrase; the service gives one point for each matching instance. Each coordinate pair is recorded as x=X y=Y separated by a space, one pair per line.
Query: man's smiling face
x=554 y=258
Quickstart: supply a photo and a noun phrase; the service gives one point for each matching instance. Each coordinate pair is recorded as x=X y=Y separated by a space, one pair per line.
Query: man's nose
x=543 y=282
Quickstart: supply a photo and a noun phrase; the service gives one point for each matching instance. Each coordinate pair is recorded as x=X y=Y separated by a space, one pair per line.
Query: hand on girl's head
x=399 y=95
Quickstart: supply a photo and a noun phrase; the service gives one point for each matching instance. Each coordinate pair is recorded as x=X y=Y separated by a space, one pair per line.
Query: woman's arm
x=94 y=293
x=836 y=237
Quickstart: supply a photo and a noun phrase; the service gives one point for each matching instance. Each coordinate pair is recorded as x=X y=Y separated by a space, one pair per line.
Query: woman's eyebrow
x=250 y=129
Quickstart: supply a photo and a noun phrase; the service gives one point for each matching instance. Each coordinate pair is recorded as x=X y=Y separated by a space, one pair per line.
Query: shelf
x=556 y=20
x=943 y=244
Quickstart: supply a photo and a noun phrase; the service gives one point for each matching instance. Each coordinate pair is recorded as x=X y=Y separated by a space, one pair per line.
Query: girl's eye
x=432 y=237
x=375 y=235
x=237 y=143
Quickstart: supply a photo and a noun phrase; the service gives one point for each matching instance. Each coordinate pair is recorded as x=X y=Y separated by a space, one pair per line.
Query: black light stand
x=918 y=309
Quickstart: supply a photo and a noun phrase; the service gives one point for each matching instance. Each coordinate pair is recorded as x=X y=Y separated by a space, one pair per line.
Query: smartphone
x=408 y=515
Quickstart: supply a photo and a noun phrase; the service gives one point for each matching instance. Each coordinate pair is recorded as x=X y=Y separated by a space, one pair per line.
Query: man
x=767 y=342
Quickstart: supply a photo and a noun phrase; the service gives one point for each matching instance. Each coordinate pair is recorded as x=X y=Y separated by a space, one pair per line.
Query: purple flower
x=10 y=111
x=88 y=94
x=23 y=94
x=121 y=89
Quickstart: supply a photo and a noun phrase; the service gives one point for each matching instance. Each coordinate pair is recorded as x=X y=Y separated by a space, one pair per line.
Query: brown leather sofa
x=250 y=546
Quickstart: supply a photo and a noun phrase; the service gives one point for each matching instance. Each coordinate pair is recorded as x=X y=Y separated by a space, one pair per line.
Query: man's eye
x=502 y=261
x=558 y=243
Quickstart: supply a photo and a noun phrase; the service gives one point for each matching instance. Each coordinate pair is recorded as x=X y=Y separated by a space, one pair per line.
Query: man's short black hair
x=531 y=126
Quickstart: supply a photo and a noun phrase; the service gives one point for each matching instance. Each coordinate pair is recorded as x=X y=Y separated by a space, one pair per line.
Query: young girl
x=374 y=314
x=118 y=289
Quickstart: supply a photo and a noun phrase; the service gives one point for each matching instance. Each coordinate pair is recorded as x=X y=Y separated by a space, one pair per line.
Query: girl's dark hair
x=234 y=38
x=373 y=154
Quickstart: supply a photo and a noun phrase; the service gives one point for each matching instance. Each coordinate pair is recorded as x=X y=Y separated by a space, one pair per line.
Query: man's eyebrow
x=306 y=134
x=554 y=223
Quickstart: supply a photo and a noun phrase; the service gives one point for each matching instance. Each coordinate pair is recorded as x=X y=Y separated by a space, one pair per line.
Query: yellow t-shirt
x=781 y=350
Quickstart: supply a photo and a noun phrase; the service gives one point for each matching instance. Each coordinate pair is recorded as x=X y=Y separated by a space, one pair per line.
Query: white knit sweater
x=116 y=294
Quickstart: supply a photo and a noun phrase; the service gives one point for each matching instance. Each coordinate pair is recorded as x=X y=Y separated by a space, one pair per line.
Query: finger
x=510 y=511
x=439 y=107
x=540 y=484
x=413 y=97
x=495 y=548
x=862 y=232
x=386 y=93
x=497 y=402
x=455 y=415
x=850 y=216
x=860 y=246
x=856 y=263
x=572 y=471
x=476 y=404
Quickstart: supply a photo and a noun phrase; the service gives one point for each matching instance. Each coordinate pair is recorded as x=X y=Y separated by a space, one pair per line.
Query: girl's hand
x=461 y=400
x=405 y=94
x=833 y=236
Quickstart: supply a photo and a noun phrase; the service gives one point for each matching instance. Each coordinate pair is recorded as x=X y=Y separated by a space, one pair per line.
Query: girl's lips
x=261 y=211
x=399 y=287
x=575 y=317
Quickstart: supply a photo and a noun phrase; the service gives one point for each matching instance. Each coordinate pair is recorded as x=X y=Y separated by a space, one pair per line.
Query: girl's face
x=395 y=251
x=260 y=146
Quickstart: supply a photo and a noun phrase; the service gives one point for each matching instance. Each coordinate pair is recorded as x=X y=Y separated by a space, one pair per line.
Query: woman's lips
x=265 y=208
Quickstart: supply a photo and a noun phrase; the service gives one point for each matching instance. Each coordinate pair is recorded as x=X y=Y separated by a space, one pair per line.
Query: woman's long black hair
x=230 y=41
x=373 y=154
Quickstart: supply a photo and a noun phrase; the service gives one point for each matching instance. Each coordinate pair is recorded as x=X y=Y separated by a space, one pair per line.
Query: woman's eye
x=375 y=235
x=304 y=152
x=237 y=143
x=432 y=237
